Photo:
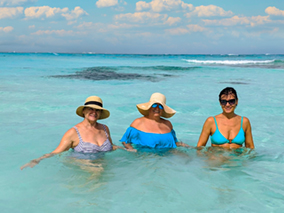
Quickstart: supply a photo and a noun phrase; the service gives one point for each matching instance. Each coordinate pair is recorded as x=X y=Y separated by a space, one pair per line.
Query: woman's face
x=156 y=110
x=92 y=114
x=228 y=103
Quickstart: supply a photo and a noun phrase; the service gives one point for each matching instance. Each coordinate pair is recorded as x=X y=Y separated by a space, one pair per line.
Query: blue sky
x=143 y=27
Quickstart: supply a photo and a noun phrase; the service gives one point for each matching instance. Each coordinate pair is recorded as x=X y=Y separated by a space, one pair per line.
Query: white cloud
x=121 y=26
x=76 y=13
x=210 y=10
x=177 y=31
x=10 y=12
x=6 y=29
x=236 y=20
x=228 y=21
x=31 y=26
x=171 y=20
x=190 y=28
x=48 y=12
x=14 y=2
x=106 y=3
x=142 y=5
x=57 y=32
x=85 y=25
x=160 y=5
x=89 y=25
x=195 y=28
x=141 y=17
x=274 y=11
x=93 y=27
x=44 y=11
x=257 y=20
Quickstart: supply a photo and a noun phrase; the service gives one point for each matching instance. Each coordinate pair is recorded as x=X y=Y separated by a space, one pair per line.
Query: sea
x=40 y=93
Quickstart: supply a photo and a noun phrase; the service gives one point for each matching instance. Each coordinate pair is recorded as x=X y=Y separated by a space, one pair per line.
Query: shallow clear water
x=39 y=96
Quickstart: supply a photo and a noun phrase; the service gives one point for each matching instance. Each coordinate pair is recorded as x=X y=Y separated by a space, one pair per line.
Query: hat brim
x=144 y=109
x=104 y=114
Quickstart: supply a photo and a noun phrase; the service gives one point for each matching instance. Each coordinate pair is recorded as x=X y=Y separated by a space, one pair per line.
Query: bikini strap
x=78 y=133
x=105 y=130
x=215 y=122
x=242 y=122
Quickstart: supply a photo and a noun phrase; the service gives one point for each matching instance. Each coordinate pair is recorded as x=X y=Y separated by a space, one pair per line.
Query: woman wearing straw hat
x=151 y=130
x=88 y=136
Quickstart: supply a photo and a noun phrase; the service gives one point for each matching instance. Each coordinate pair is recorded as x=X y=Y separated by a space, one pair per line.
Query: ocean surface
x=40 y=93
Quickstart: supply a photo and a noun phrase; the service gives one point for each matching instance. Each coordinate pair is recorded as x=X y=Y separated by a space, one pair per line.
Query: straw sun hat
x=156 y=98
x=94 y=102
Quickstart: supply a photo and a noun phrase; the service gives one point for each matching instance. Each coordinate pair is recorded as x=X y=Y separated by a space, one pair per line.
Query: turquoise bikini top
x=146 y=139
x=218 y=139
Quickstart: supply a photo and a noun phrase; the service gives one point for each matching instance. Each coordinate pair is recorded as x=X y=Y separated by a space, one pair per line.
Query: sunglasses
x=231 y=102
x=92 y=109
x=160 y=106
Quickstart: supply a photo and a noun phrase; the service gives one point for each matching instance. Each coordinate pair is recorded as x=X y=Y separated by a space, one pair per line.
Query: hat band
x=95 y=103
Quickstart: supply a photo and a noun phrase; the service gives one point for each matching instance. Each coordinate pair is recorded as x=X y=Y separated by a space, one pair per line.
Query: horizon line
x=97 y=53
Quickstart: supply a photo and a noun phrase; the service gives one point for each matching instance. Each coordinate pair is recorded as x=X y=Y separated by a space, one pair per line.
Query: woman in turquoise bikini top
x=227 y=130
x=218 y=139
x=151 y=130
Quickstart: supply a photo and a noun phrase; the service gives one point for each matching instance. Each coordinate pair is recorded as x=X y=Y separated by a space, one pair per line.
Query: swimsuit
x=218 y=139
x=153 y=140
x=87 y=147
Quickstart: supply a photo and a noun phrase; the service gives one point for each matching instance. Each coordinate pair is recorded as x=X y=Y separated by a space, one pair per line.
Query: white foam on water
x=229 y=62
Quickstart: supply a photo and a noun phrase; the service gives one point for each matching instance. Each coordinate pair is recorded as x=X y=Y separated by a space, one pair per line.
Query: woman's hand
x=30 y=164
x=129 y=147
x=115 y=147
x=34 y=162
x=131 y=150
x=182 y=144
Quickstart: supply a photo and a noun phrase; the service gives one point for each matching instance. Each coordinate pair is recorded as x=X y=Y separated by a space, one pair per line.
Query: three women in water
x=227 y=130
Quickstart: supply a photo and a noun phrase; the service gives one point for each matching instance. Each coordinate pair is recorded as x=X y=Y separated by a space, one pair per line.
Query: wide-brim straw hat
x=94 y=102
x=156 y=98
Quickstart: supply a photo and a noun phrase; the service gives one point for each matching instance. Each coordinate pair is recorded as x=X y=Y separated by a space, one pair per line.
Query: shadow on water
x=236 y=81
x=233 y=82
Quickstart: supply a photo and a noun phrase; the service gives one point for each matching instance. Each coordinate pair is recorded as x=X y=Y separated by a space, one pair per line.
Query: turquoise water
x=39 y=96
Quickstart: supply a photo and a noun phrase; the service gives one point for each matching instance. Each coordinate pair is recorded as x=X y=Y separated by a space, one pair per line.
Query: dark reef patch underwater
x=113 y=73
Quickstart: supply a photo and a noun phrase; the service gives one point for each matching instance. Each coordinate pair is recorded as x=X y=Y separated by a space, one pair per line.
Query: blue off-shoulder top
x=153 y=140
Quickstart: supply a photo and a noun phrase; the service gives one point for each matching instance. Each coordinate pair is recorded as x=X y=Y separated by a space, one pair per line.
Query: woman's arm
x=135 y=124
x=129 y=147
x=64 y=145
x=182 y=144
x=249 y=141
x=205 y=133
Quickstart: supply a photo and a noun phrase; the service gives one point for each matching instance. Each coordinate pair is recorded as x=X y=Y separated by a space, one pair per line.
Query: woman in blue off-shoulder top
x=152 y=130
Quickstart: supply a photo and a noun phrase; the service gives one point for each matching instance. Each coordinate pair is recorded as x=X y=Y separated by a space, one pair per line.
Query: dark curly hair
x=228 y=91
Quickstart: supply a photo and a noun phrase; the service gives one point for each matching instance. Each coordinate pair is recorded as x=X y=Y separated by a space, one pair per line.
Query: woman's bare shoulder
x=246 y=122
x=245 y=119
x=210 y=120
x=137 y=122
x=70 y=132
